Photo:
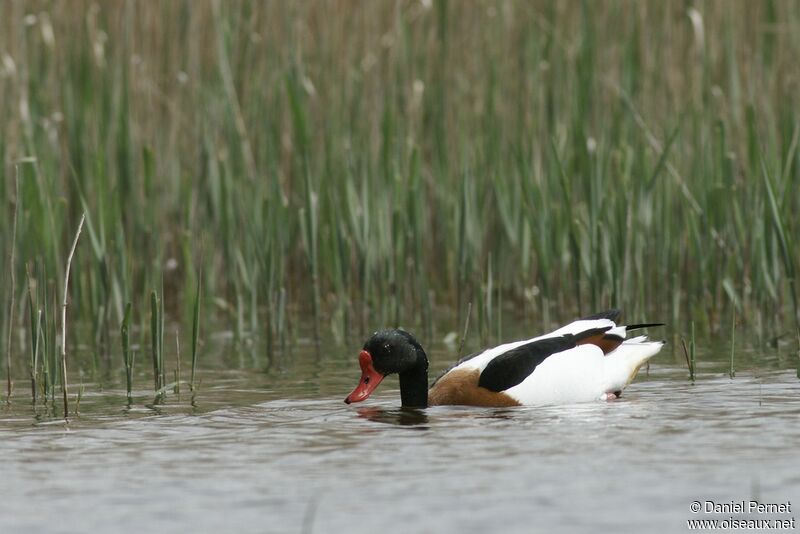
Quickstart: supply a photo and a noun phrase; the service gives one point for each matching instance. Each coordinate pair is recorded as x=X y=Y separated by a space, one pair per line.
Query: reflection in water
x=399 y=416
x=499 y=413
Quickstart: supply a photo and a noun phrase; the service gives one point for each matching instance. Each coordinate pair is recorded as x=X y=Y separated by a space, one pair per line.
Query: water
x=280 y=452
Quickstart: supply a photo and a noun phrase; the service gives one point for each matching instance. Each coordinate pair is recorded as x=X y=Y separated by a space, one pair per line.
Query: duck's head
x=387 y=352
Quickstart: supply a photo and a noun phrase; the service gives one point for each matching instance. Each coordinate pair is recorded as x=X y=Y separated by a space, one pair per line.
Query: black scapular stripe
x=514 y=366
x=630 y=327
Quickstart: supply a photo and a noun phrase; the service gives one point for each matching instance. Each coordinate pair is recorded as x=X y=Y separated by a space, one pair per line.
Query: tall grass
x=374 y=163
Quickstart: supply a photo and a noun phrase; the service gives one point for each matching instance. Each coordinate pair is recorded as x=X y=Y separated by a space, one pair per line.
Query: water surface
x=280 y=452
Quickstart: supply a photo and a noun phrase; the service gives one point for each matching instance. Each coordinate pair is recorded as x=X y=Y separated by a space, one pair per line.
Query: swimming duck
x=588 y=359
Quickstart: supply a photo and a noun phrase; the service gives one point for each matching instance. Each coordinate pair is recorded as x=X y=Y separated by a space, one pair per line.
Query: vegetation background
x=334 y=166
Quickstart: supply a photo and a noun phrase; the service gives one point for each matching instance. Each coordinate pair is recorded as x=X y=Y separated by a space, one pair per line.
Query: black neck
x=414 y=387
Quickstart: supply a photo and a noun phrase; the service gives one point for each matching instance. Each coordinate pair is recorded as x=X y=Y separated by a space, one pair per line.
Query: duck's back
x=585 y=360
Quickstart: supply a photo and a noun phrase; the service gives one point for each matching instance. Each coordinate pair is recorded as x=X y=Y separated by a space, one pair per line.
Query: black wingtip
x=612 y=314
x=630 y=327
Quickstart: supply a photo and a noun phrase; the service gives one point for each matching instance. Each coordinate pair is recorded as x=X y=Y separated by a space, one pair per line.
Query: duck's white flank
x=583 y=374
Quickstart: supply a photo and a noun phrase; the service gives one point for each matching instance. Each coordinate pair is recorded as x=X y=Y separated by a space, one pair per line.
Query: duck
x=589 y=359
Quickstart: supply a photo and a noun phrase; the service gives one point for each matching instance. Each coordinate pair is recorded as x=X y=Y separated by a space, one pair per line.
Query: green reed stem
x=127 y=354
x=177 y=388
x=35 y=317
x=688 y=360
x=693 y=354
x=732 y=371
x=12 y=266
x=161 y=365
x=155 y=341
x=464 y=333
x=195 y=331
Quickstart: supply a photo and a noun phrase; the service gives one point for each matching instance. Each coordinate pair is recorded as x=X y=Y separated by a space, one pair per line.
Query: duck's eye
x=366 y=380
x=386 y=347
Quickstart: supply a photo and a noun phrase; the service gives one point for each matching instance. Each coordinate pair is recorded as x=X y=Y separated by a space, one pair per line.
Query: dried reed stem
x=64 y=319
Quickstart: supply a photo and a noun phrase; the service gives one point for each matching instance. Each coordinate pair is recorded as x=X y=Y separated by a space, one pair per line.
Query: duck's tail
x=622 y=364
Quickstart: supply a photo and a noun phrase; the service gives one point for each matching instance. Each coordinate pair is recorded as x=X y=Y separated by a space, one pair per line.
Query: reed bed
x=375 y=163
